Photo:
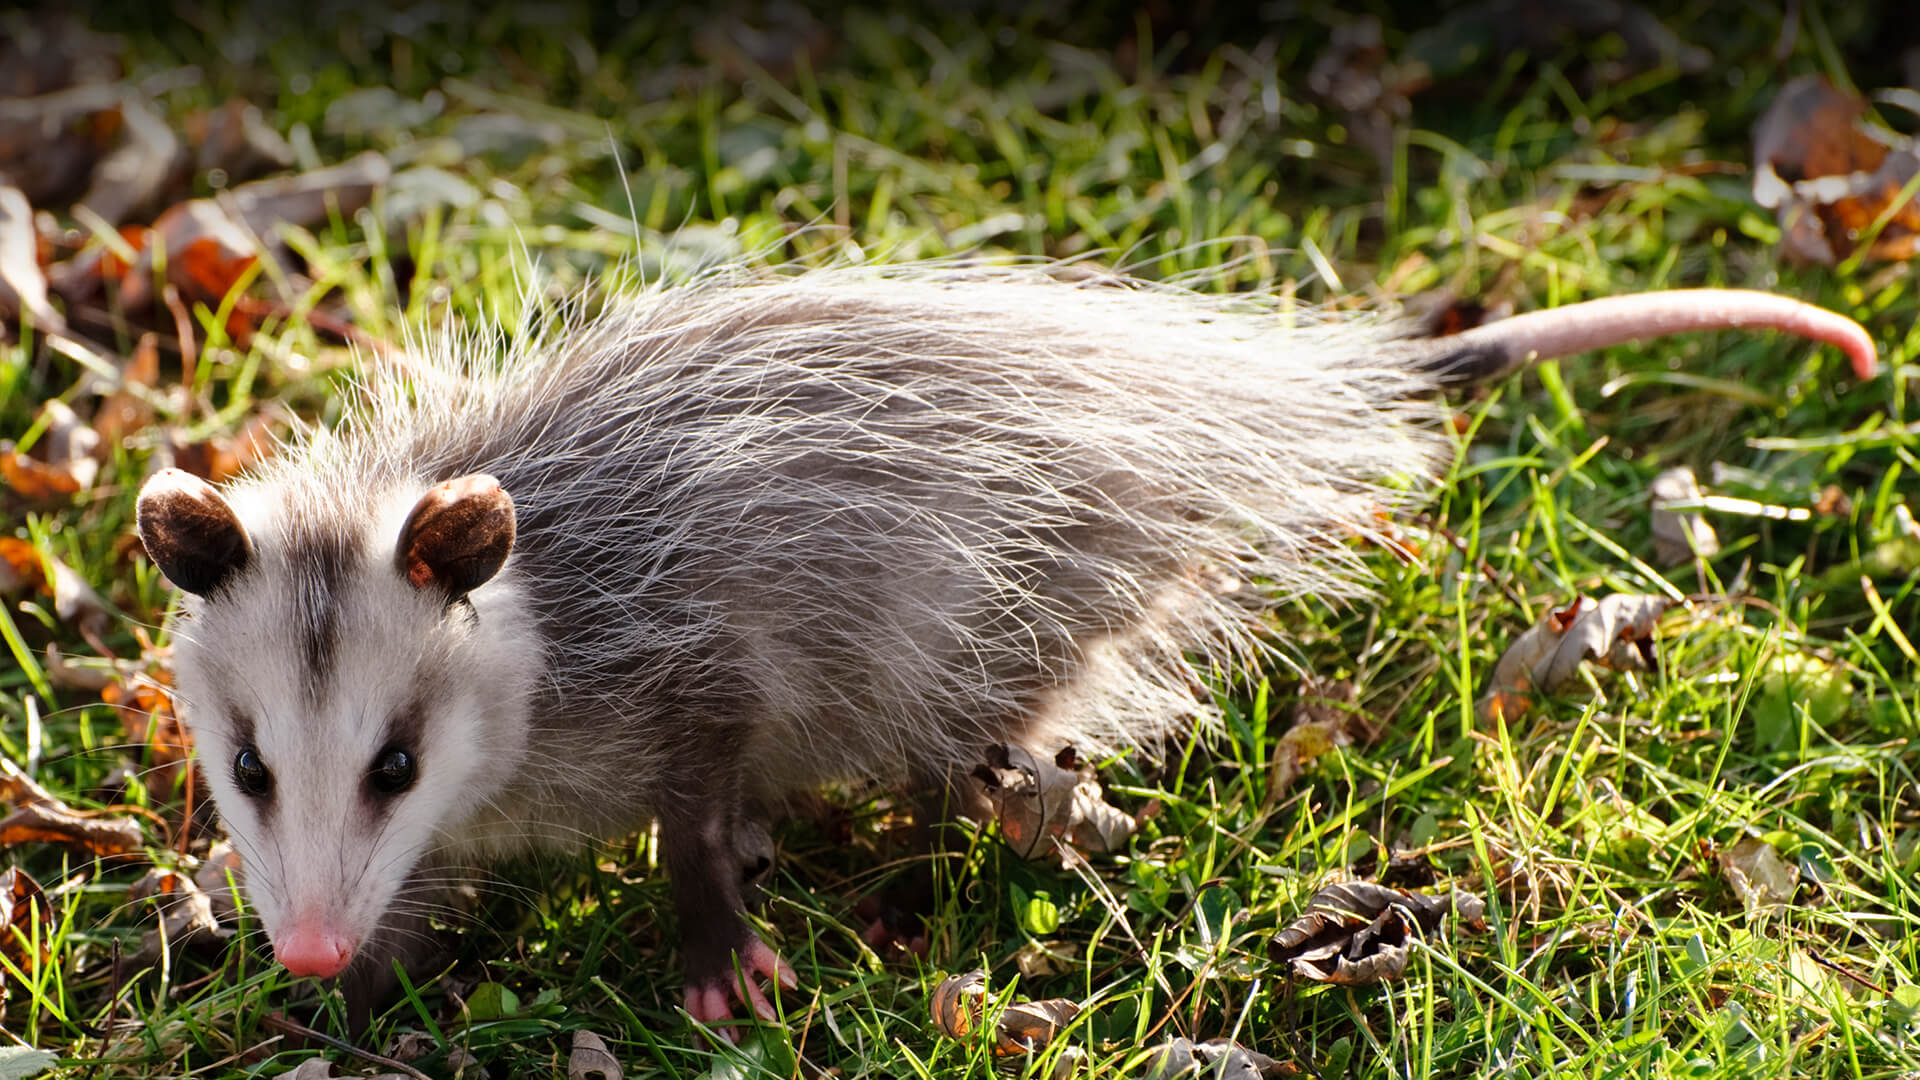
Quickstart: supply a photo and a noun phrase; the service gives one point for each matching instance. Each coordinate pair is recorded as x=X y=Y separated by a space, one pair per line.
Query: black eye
x=392 y=772
x=251 y=773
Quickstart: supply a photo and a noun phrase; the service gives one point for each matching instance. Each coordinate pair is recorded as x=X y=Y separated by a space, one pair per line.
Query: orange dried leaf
x=1828 y=179
x=23 y=904
x=39 y=818
x=959 y=1003
x=35 y=480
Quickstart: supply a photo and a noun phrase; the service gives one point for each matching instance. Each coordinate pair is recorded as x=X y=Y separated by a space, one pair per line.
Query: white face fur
x=374 y=716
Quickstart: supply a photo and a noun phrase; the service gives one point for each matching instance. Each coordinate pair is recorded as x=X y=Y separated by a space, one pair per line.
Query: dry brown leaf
x=1038 y=801
x=187 y=918
x=221 y=457
x=1759 y=877
x=145 y=707
x=320 y=1068
x=1320 y=723
x=1615 y=632
x=1215 y=1059
x=43 y=50
x=1828 y=179
x=219 y=877
x=23 y=905
x=20 y=566
x=1038 y=959
x=206 y=254
x=959 y=1003
x=126 y=410
x=39 y=818
x=236 y=140
x=1356 y=932
x=23 y=285
x=590 y=1059
x=67 y=463
x=1680 y=536
x=50 y=142
x=309 y=198
x=137 y=177
x=410 y=1046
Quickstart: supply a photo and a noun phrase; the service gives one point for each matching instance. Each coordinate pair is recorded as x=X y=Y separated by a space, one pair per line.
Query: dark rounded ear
x=190 y=532
x=457 y=536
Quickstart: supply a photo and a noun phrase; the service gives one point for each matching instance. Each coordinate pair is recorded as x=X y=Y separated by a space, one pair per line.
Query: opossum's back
x=939 y=506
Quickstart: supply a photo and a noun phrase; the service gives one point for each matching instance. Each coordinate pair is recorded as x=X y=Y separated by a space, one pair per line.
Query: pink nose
x=313 y=948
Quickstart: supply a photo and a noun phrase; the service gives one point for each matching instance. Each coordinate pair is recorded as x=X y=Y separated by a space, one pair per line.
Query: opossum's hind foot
x=710 y=997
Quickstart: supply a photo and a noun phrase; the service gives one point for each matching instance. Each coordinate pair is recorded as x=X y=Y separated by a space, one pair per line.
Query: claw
x=710 y=1001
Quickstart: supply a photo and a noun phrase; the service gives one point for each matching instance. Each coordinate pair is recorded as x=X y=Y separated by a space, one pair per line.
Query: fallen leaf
x=235 y=140
x=1615 y=632
x=1320 y=724
x=1759 y=877
x=65 y=674
x=19 y=1062
x=50 y=142
x=1356 y=932
x=43 y=50
x=20 y=566
x=187 y=920
x=1680 y=536
x=206 y=253
x=310 y=198
x=590 y=1059
x=1828 y=179
x=137 y=177
x=1037 y=959
x=128 y=407
x=1215 y=1059
x=145 y=707
x=219 y=877
x=39 y=818
x=24 y=917
x=23 y=285
x=960 y=1001
x=1038 y=801
x=319 y=1068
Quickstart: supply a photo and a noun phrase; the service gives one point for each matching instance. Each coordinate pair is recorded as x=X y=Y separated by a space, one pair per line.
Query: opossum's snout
x=315 y=948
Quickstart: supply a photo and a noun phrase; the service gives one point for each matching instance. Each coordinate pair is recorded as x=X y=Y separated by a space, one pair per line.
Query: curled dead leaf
x=1356 y=932
x=590 y=1059
x=1680 y=536
x=187 y=919
x=145 y=707
x=1037 y=801
x=1214 y=1059
x=1828 y=179
x=959 y=1003
x=138 y=175
x=1615 y=632
x=25 y=916
x=39 y=818
x=23 y=285
x=1323 y=721
x=1759 y=877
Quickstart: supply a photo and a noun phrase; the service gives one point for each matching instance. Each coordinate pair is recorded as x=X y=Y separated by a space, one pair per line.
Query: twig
x=293 y=1027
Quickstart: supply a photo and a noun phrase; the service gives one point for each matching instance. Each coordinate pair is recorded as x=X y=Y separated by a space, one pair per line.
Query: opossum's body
x=834 y=525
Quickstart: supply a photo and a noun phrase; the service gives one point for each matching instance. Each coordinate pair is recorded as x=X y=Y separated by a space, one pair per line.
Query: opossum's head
x=356 y=671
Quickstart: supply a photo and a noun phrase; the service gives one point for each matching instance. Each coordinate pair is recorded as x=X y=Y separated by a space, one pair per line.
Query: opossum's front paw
x=711 y=994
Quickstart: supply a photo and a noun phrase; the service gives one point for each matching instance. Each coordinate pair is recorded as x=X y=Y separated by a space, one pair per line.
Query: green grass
x=1616 y=947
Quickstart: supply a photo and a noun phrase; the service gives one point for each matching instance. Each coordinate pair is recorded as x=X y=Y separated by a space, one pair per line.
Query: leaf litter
x=1356 y=932
x=1615 y=632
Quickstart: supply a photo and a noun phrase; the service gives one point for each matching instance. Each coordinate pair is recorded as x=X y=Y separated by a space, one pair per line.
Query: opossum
x=734 y=538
